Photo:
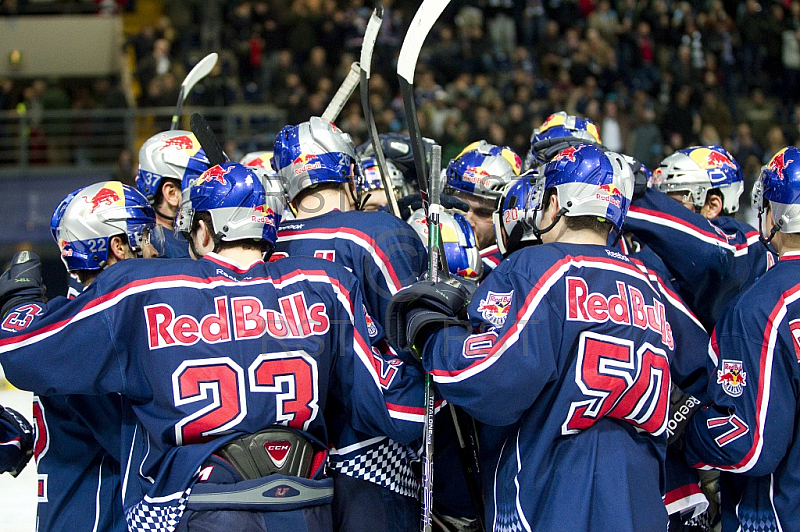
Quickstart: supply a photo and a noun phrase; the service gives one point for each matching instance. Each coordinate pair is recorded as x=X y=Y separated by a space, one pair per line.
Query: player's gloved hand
x=412 y=202
x=682 y=407
x=425 y=307
x=640 y=177
x=22 y=282
x=18 y=424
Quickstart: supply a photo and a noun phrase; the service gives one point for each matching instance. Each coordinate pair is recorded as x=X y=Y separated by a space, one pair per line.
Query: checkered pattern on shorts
x=164 y=518
x=387 y=464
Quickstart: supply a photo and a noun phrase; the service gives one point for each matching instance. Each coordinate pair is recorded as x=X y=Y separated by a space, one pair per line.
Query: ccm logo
x=236 y=319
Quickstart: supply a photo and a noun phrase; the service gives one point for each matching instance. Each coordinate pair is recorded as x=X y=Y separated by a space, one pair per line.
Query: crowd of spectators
x=654 y=75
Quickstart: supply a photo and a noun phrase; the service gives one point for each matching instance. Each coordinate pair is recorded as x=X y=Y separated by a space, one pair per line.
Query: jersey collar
x=230 y=264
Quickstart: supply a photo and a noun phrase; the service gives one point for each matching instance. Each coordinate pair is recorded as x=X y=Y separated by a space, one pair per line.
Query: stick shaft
x=342 y=95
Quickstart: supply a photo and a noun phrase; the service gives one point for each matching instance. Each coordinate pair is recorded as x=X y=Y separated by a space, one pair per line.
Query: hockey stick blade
x=207 y=139
x=421 y=25
x=200 y=70
x=346 y=90
x=370 y=36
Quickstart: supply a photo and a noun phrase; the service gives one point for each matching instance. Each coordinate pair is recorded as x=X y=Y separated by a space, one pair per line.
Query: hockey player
x=751 y=429
x=78 y=437
x=712 y=256
x=566 y=359
x=478 y=176
x=16 y=441
x=321 y=173
x=168 y=162
x=215 y=355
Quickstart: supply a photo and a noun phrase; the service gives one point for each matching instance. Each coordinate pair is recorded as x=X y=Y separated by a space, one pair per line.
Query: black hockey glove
x=22 y=282
x=412 y=202
x=640 y=179
x=424 y=308
x=682 y=407
x=19 y=425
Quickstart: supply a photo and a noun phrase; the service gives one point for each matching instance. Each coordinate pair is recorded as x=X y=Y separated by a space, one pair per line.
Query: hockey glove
x=412 y=202
x=20 y=425
x=639 y=179
x=425 y=307
x=682 y=407
x=22 y=282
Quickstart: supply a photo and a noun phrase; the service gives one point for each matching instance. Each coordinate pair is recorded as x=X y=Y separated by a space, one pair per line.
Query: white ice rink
x=17 y=495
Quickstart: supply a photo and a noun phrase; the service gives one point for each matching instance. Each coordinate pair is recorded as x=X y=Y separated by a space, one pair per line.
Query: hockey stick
x=200 y=70
x=346 y=89
x=370 y=36
x=207 y=139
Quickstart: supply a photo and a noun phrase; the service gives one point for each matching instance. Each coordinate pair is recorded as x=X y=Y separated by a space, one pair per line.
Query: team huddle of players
x=619 y=351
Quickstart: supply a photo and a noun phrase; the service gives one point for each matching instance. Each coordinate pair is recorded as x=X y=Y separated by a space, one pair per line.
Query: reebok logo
x=681 y=415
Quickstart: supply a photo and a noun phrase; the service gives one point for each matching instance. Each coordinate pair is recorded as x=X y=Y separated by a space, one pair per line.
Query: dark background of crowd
x=654 y=75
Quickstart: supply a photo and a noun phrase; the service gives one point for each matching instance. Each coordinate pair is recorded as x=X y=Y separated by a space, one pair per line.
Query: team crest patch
x=732 y=377
x=495 y=307
x=372 y=329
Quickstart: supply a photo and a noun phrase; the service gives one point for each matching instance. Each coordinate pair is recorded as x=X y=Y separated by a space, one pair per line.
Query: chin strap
x=775 y=228
x=515 y=241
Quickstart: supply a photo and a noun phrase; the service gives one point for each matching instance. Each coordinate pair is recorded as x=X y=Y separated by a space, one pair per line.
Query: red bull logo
x=609 y=193
x=568 y=153
x=372 y=329
x=263 y=214
x=104 y=196
x=257 y=162
x=66 y=249
x=716 y=159
x=475 y=174
x=732 y=377
x=495 y=307
x=215 y=173
x=779 y=163
x=468 y=273
x=553 y=120
x=180 y=142
x=305 y=162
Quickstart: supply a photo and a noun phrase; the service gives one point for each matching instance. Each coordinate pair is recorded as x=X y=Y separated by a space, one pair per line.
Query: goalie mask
x=778 y=187
x=175 y=154
x=557 y=132
x=94 y=215
x=696 y=170
x=313 y=153
x=483 y=170
x=460 y=244
x=243 y=204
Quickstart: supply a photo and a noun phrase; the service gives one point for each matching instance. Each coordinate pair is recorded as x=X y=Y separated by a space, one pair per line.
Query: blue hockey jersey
x=491 y=257
x=567 y=368
x=754 y=385
x=712 y=262
x=385 y=255
x=78 y=478
x=208 y=350
x=175 y=247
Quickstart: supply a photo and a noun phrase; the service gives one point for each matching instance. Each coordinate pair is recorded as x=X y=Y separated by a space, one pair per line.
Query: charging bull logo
x=708 y=159
x=732 y=377
x=104 y=196
x=180 y=142
x=568 y=153
x=609 y=193
x=263 y=215
x=495 y=307
x=215 y=173
x=779 y=163
x=551 y=121
x=306 y=162
x=372 y=329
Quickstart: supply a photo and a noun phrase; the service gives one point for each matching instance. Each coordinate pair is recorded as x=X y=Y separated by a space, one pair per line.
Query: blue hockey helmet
x=101 y=211
x=483 y=170
x=372 y=177
x=696 y=170
x=313 y=153
x=458 y=237
x=559 y=131
x=243 y=203
x=58 y=213
x=589 y=182
x=779 y=184
x=176 y=154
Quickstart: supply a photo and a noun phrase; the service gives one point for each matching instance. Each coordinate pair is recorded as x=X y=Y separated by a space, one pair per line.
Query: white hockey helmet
x=176 y=154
